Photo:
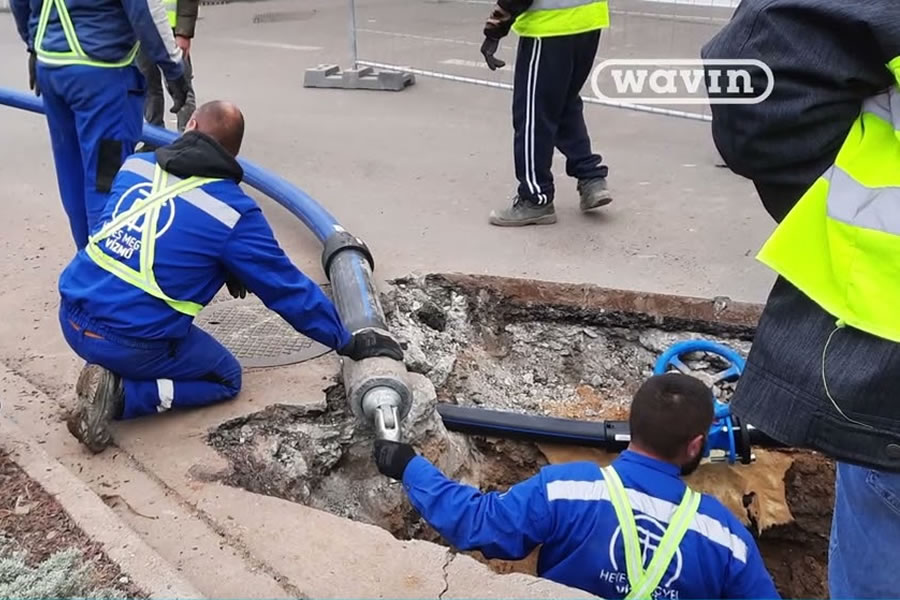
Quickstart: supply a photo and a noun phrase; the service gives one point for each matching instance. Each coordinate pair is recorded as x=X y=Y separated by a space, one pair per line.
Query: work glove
x=235 y=287
x=488 y=49
x=32 y=73
x=178 y=90
x=369 y=343
x=391 y=458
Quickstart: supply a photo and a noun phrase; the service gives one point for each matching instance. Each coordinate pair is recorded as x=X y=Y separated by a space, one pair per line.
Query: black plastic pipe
x=612 y=436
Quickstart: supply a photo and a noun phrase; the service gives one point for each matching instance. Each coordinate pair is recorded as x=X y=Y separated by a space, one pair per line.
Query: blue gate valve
x=722 y=432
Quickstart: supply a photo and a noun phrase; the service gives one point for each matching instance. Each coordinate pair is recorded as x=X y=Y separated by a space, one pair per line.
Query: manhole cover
x=257 y=336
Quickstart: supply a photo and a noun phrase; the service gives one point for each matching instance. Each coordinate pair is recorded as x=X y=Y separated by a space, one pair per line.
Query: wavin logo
x=682 y=81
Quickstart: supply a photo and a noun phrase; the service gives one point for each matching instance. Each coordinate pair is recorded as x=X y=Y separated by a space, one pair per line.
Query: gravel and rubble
x=544 y=367
x=462 y=347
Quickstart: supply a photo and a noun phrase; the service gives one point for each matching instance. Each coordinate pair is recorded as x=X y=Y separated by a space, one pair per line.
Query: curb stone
x=147 y=569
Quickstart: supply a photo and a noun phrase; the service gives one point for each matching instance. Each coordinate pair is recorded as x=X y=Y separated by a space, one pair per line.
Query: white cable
x=825 y=383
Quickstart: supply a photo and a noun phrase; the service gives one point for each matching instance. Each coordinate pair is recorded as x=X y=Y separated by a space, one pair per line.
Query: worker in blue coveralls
x=176 y=227
x=81 y=60
x=630 y=530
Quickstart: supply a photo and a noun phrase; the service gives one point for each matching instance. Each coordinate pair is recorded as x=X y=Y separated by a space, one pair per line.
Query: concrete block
x=468 y=578
x=321 y=555
x=362 y=78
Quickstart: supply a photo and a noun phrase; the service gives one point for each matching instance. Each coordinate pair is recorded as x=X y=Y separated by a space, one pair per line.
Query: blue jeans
x=865 y=534
x=94 y=116
x=193 y=371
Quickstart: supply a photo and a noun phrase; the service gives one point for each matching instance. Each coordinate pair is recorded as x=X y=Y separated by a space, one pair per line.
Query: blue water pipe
x=299 y=203
x=376 y=388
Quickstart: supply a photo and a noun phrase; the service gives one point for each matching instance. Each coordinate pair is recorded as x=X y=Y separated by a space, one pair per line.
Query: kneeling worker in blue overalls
x=176 y=228
x=630 y=530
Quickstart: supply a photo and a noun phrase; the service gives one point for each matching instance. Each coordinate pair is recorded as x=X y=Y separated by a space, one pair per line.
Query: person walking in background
x=182 y=17
x=81 y=59
x=558 y=42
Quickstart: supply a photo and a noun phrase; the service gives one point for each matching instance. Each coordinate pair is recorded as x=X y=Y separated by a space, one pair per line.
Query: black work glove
x=32 y=73
x=392 y=458
x=235 y=287
x=488 y=49
x=369 y=343
x=178 y=90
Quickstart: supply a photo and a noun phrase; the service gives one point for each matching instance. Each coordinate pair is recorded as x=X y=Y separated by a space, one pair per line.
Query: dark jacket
x=783 y=389
x=186 y=21
x=827 y=57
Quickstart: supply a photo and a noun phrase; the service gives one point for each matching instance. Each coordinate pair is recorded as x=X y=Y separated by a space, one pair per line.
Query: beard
x=688 y=468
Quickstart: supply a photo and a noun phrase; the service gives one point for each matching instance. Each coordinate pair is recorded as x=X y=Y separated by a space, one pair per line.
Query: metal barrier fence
x=441 y=38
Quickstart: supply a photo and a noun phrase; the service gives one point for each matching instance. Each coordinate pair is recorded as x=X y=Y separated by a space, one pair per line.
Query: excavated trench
x=538 y=348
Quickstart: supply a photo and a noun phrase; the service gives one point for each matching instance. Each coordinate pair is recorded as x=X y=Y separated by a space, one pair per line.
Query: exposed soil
x=37 y=524
x=470 y=349
x=797 y=553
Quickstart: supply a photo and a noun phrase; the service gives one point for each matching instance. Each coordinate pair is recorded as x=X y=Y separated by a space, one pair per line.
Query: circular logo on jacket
x=136 y=194
x=650 y=534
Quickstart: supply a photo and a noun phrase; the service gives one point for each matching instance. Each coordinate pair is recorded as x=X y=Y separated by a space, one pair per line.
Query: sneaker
x=593 y=193
x=523 y=212
x=100 y=400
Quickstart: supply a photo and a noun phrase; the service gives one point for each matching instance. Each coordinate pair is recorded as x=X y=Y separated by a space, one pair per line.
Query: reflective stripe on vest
x=840 y=245
x=149 y=209
x=76 y=54
x=171 y=11
x=549 y=18
x=644 y=582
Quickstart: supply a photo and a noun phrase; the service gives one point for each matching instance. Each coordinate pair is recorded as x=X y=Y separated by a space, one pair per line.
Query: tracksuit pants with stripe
x=548 y=112
x=94 y=117
x=157 y=375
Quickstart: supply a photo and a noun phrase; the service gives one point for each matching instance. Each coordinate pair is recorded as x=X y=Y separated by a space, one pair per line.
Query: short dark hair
x=222 y=121
x=668 y=411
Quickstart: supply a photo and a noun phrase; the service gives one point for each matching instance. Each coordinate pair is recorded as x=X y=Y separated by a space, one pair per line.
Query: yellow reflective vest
x=840 y=245
x=171 y=11
x=548 y=18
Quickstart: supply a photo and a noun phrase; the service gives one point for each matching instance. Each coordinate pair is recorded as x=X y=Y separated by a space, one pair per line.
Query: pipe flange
x=358 y=394
x=340 y=241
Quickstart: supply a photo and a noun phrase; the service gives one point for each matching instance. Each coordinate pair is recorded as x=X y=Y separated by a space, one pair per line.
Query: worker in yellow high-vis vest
x=182 y=16
x=824 y=153
x=558 y=41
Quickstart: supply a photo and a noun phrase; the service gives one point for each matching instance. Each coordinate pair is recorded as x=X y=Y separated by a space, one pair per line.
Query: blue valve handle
x=721 y=433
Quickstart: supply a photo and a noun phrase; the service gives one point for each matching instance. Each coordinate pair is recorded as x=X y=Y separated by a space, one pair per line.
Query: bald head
x=221 y=121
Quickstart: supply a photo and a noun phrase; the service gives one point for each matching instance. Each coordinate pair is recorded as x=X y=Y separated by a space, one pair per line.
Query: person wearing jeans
x=822 y=151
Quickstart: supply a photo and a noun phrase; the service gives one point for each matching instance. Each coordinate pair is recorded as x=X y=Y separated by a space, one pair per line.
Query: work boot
x=101 y=398
x=523 y=212
x=593 y=193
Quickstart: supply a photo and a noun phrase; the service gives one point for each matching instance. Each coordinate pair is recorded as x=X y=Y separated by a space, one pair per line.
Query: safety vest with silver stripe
x=76 y=54
x=643 y=582
x=840 y=245
x=143 y=216
x=171 y=7
x=548 y=18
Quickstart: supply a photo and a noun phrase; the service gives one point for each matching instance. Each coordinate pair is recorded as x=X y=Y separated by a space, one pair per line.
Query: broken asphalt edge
x=147 y=569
